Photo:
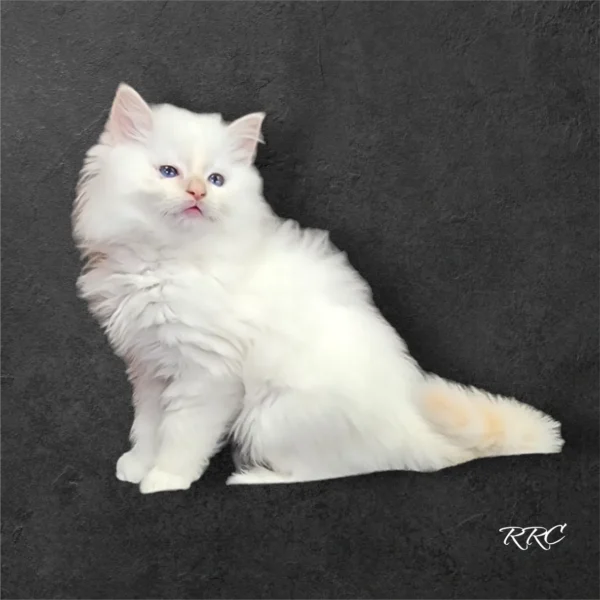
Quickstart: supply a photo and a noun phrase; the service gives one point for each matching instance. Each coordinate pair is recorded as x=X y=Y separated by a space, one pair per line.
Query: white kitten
x=237 y=324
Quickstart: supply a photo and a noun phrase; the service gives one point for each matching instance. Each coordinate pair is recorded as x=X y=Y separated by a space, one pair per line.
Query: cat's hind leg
x=305 y=436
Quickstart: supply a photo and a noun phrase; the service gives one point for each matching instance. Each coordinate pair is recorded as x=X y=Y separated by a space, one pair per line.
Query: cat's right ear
x=130 y=117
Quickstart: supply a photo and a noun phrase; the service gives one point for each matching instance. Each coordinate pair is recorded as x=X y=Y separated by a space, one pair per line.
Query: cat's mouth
x=193 y=211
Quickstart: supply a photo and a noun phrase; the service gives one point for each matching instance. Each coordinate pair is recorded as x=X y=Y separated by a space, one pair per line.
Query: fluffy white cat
x=236 y=324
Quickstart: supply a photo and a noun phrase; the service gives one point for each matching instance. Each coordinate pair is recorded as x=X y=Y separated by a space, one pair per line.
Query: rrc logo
x=545 y=538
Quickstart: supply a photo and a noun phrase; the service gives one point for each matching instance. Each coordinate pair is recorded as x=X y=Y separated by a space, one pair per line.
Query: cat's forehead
x=187 y=132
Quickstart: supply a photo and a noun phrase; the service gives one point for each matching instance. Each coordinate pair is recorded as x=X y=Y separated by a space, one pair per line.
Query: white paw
x=161 y=481
x=241 y=479
x=130 y=467
x=257 y=476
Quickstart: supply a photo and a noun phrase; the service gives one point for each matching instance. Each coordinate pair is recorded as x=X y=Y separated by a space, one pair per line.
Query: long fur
x=241 y=325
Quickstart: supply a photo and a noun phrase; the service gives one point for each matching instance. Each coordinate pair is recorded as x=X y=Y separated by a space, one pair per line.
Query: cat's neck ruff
x=207 y=250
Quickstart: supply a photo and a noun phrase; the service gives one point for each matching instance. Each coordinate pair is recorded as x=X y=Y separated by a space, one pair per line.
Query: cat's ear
x=245 y=135
x=130 y=117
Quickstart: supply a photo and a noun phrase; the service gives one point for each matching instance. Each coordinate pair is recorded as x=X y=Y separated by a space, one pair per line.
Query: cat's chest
x=169 y=316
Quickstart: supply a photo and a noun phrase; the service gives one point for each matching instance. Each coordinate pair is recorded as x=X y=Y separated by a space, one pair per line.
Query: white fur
x=241 y=325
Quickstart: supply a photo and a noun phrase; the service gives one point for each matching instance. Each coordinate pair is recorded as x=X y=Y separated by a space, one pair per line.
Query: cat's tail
x=487 y=425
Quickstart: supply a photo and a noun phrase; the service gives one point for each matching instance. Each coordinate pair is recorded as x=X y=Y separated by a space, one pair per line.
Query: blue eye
x=168 y=171
x=216 y=179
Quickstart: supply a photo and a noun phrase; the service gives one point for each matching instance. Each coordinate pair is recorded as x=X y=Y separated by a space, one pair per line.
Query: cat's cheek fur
x=248 y=328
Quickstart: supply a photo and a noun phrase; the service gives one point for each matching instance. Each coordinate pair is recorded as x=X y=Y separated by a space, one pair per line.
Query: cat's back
x=308 y=294
x=319 y=324
x=303 y=264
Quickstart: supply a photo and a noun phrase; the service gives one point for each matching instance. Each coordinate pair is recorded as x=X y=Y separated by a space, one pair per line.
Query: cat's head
x=162 y=173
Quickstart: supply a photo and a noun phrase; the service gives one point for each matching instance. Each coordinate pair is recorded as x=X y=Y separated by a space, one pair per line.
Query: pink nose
x=196 y=189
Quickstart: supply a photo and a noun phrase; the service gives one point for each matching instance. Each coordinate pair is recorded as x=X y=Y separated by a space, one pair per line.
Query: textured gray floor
x=452 y=149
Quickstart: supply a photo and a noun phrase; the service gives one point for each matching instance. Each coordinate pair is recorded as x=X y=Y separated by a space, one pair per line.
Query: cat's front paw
x=161 y=481
x=131 y=467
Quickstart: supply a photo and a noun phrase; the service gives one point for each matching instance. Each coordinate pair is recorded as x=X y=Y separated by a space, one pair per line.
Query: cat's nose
x=196 y=189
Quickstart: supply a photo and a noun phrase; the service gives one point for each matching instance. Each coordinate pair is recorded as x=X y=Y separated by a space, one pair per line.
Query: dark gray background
x=452 y=149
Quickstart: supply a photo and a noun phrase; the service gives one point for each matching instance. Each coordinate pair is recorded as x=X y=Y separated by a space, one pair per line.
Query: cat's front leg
x=195 y=420
x=135 y=464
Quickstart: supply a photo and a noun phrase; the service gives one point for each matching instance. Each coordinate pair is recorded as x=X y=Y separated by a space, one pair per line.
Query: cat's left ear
x=245 y=135
x=130 y=117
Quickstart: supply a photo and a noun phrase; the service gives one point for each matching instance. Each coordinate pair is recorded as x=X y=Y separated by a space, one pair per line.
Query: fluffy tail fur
x=488 y=425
